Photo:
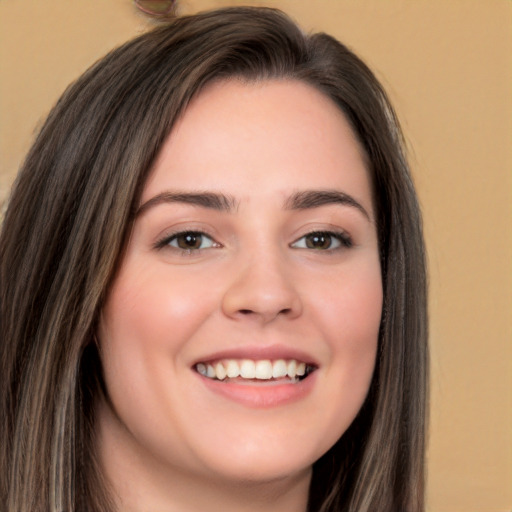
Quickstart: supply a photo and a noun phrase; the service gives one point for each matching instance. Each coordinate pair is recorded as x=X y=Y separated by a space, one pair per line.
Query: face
x=239 y=336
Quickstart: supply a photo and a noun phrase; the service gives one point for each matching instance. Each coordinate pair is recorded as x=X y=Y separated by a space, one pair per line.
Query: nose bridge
x=262 y=286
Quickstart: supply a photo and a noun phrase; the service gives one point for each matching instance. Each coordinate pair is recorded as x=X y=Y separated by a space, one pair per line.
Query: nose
x=263 y=290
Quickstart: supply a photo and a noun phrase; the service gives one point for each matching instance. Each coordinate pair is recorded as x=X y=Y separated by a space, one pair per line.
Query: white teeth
x=220 y=371
x=210 y=371
x=292 y=368
x=249 y=369
x=280 y=369
x=232 y=369
x=263 y=370
x=201 y=368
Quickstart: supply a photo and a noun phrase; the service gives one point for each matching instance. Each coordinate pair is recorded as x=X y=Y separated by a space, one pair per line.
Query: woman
x=212 y=283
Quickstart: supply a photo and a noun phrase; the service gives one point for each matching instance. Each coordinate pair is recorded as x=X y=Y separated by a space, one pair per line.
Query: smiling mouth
x=280 y=370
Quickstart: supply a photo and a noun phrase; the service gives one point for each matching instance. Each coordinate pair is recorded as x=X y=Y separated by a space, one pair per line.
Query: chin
x=258 y=471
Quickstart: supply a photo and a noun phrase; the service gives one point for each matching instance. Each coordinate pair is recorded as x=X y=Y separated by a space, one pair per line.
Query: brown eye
x=190 y=241
x=319 y=241
x=323 y=241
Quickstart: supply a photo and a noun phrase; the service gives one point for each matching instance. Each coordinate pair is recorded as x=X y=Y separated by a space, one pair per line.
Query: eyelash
x=168 y=239
x=340 y=237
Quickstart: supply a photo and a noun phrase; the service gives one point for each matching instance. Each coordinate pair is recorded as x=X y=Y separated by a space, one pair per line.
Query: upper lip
x=258 y=353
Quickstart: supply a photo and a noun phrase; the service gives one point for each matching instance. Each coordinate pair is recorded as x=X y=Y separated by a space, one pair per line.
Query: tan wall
x=448 y=67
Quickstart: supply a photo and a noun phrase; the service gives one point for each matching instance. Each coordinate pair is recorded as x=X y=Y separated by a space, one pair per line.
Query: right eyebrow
x=210 y=200
x=304 y=200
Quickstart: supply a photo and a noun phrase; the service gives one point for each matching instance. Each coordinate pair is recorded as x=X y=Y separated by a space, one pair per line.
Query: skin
x=167 y=441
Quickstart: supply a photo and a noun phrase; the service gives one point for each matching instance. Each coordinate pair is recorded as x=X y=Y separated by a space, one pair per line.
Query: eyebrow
x=316 y=198
x=210 y=200
x=303 y=200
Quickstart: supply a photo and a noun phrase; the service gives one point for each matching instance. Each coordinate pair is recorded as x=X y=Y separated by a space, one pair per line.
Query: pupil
x=189 y=241
x=319 y=241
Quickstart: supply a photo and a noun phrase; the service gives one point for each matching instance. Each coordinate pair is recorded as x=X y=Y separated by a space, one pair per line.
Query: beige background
x=448 y=67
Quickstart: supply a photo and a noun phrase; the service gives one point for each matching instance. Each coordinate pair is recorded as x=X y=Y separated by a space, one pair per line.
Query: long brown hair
x=68 y=220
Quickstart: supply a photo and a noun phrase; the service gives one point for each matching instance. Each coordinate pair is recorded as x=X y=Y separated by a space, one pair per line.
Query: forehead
x=246 y=136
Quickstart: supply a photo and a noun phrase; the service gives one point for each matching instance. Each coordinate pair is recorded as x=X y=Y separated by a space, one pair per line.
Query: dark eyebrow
x=208 y=200
x=315 y=198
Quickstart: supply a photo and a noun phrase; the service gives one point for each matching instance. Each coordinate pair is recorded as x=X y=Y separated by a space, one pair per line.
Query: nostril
x=284 y=311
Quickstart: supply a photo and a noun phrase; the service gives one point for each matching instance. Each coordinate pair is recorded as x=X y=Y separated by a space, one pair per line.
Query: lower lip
x=263 y=395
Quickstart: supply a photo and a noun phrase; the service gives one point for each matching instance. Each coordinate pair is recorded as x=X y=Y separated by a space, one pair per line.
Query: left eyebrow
x=209 y=200
x=315 y=198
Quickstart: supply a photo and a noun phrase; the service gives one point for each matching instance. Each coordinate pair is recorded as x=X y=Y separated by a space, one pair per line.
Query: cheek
x=146 y=322
x=351 y=305
x=350 y=317
x=149 y=312
x=141 y=331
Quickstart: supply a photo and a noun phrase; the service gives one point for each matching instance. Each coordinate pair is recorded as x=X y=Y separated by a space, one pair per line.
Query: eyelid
x=342 y=238
x=167 y=238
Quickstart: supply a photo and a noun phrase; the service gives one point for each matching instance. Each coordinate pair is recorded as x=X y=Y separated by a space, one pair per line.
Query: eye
x=188 y=241
x=323 y=241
